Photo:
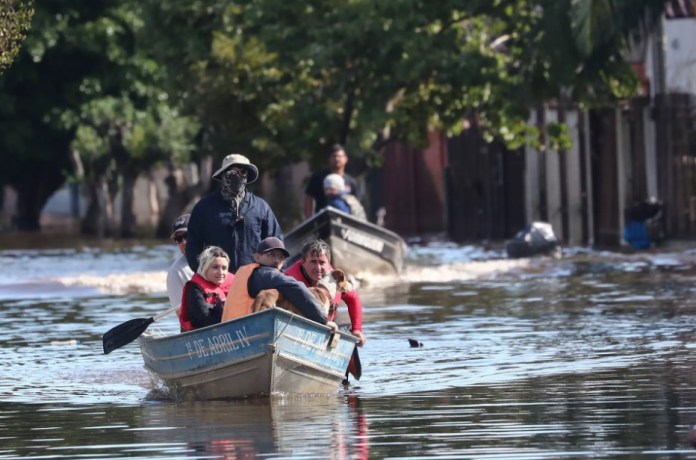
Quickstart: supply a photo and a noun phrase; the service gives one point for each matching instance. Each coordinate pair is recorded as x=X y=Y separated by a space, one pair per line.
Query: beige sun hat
x=235 y=159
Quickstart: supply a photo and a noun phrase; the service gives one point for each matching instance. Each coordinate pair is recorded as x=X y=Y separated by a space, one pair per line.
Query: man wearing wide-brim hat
x=231 y=217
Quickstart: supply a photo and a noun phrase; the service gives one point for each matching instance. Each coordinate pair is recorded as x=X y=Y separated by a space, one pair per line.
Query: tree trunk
x=181 y=191
x=97 y=220
x=153 y=199
x=32 y=196
x=28 y=209
x=348 y=106
x=128 y=222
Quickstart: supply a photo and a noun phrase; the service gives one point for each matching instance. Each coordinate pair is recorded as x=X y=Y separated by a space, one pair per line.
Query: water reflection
x=314 y=426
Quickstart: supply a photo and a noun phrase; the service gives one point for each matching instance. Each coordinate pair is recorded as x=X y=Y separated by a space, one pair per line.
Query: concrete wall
x=680 y=55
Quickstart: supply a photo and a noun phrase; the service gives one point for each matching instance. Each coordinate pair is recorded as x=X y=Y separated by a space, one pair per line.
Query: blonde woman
x=204 y=296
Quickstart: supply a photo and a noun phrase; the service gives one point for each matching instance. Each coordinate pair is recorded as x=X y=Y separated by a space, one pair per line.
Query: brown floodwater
x=590 y=356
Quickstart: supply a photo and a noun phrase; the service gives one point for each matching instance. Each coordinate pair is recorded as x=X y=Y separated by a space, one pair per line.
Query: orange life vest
x=239 y=301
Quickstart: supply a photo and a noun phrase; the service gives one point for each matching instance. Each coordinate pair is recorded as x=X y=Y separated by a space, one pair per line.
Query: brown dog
x=325 y=291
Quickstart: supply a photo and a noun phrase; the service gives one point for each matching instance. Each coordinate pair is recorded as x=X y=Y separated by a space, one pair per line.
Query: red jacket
x=211 y=291
x=351 y=298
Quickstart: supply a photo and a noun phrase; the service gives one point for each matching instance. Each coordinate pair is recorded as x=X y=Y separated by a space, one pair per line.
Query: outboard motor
x=535 y=239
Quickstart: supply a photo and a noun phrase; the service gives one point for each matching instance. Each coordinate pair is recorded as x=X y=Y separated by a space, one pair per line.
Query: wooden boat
x=271 y=351
x=356 y=245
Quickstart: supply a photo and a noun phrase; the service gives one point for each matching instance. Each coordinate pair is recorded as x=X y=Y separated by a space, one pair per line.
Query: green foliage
x=82 y=82
x=282 y=81
x=148 y=136
x=94 y=153
x=295 y=79
x=559 y=137
x=120 y=94
x=15 y=20
x=48 y=77
x=588 y=61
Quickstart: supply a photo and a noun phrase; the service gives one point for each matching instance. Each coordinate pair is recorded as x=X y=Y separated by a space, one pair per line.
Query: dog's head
x=334 y=282
x=342 y=283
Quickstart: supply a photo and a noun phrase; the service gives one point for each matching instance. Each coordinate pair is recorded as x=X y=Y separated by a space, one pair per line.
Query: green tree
x=580 y=45
x=117 y=142
x=574 y=55
x=60 y=65
x=81 y=70
x=15 y=20
x=222 y=95
x=285 y=80
x=139 y=123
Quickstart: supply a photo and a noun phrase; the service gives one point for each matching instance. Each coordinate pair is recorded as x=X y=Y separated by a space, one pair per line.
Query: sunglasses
x=236 y=172
x=180 y=238
x=275 y=254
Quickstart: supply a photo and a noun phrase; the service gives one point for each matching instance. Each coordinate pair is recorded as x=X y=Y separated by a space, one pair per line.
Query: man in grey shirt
x=179 y=272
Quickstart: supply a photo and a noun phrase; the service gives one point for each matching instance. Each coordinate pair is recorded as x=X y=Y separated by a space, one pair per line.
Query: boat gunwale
x=292 y=316
x=329 y=210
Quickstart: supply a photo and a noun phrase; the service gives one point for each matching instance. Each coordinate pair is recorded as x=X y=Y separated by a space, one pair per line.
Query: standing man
x=313 y=266
x=179 y=272
x=232 y=217
x=314 y=193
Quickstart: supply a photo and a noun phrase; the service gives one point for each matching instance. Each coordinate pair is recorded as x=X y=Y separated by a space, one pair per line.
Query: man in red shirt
x=314 y=264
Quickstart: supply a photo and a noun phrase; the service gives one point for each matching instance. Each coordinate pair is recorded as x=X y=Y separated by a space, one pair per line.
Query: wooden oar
x=125 y=333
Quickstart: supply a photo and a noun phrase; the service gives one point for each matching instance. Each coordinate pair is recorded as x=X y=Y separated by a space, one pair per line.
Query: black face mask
x=233 y=185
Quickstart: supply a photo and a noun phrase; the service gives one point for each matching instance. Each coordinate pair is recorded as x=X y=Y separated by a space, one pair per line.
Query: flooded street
x=590 y=356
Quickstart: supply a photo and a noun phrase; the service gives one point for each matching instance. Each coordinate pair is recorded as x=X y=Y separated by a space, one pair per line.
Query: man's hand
x=332 y=325
x=360 y=336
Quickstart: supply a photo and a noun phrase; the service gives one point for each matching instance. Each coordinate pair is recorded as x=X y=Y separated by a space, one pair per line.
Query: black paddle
x=354 y=366
x=125 y=333
x=357 y=365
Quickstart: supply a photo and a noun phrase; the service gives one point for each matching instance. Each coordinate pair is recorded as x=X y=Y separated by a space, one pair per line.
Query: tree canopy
x=282 y=81
x=287 y=80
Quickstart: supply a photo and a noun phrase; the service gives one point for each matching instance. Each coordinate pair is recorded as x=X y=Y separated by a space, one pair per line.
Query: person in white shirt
x=179 y=272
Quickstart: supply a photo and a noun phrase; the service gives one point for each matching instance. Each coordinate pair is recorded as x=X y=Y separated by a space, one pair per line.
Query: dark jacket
x=293 y=290
x=212 y=222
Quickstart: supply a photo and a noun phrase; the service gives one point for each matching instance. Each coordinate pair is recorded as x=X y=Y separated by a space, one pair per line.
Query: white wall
x=680 y=55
